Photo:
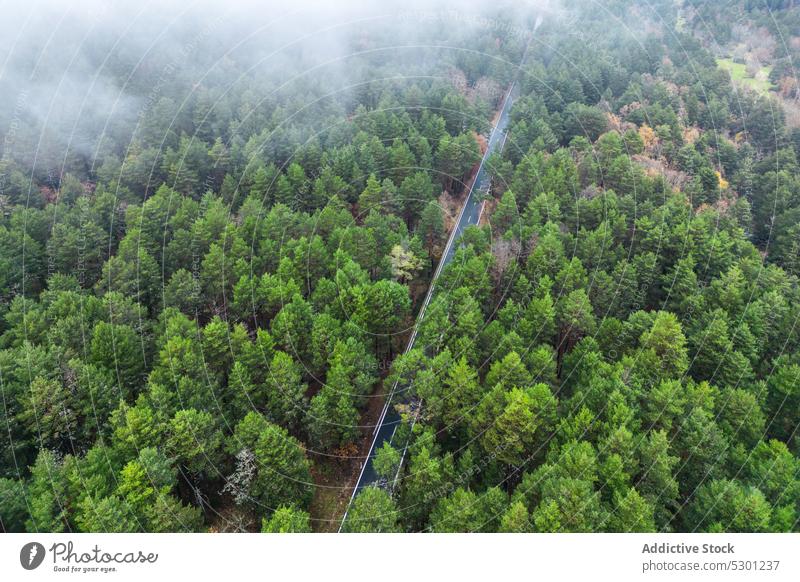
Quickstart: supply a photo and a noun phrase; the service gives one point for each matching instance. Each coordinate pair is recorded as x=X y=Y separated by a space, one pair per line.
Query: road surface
x=389 y=419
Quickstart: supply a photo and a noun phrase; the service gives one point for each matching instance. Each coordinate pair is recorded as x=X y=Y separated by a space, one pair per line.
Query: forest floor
x=335 y=476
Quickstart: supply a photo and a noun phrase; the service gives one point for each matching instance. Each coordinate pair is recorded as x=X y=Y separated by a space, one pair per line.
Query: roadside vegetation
x=204 y=296
x=195 y=323
x=617 y=350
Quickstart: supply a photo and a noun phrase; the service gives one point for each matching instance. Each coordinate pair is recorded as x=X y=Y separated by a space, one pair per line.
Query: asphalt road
x=469 y=215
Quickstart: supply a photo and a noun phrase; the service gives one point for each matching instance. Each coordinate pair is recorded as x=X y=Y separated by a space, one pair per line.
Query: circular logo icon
x=31 y=555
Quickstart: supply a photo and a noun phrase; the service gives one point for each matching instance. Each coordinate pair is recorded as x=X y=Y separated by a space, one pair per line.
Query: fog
x=75 y=73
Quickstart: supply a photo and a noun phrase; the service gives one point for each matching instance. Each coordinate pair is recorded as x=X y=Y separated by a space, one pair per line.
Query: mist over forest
x=101 y=79
x=558 y=242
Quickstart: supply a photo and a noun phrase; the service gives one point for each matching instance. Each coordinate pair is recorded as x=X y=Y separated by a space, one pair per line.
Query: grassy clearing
x=738 y=73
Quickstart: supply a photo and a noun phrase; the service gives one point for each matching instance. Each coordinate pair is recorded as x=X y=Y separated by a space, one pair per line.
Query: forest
x=211 y=265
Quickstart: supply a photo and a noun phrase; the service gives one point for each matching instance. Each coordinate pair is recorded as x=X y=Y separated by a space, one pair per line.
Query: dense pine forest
x=214 y=244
